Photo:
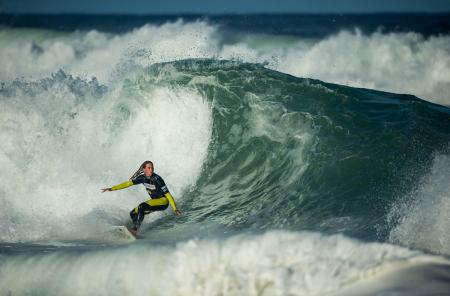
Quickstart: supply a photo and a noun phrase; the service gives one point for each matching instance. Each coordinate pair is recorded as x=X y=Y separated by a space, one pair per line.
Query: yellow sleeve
x=171 y=201
x=123 y=185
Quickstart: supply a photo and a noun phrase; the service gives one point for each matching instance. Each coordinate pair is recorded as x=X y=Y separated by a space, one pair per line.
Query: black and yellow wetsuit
x=157 y=189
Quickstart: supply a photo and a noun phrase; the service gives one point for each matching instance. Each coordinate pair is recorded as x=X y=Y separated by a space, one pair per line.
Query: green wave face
x=298 y=153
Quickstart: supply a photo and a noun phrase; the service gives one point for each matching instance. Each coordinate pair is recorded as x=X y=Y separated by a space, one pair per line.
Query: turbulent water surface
x=289 y=185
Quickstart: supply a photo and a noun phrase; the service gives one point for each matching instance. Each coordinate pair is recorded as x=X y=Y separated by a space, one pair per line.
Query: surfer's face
x=148 y=170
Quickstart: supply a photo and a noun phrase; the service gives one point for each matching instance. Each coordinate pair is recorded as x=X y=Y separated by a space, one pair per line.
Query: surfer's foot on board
x=133 y=230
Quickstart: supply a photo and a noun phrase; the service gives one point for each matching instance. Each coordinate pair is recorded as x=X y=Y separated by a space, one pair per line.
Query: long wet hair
x=140 y=170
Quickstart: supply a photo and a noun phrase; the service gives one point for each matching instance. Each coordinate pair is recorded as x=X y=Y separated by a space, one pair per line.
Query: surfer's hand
x=106 y=189
x=178 y=213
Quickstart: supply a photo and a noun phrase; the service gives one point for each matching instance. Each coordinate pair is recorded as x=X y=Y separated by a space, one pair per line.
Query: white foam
x=423 y=216
x=275 y=263
x=59 y=146
x=395 y=62
x=101 y=55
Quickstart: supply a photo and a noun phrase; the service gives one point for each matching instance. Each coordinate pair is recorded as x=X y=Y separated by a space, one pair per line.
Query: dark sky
x=221 y=6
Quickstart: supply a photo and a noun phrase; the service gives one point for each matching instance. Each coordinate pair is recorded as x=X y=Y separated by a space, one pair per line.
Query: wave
x=285 y=183
x=273 y=263
x=394 y=62
x=242 y=147
x=302 y=154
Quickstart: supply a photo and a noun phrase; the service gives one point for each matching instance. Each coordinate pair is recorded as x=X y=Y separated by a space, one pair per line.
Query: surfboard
x=123 y=233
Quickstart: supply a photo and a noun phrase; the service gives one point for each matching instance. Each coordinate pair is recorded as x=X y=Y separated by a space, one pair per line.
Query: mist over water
x=422 y=213
x=268 y=165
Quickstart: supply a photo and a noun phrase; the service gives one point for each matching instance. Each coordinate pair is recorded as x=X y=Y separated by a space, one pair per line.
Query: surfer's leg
x=151 y=205
x=134 y=214
x=142 y=209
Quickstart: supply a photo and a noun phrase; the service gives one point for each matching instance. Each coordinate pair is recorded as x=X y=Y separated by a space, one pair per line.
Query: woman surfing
x=160 y=197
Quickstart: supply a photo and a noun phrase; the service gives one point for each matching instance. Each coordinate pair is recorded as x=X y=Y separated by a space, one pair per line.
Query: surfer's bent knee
x=154 y=204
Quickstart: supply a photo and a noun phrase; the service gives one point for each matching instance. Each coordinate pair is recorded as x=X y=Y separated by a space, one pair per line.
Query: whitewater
x=300 y=169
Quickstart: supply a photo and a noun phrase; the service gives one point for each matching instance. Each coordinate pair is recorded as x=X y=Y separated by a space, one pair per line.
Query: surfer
x=160 y=197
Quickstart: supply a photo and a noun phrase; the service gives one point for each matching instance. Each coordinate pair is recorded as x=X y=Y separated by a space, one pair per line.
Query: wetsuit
x=157 y=189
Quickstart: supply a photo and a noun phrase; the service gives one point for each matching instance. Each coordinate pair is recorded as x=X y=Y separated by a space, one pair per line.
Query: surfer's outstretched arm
x=119 y=186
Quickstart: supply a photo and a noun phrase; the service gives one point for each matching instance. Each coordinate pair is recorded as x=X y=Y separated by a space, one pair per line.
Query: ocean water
x=309 y=153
